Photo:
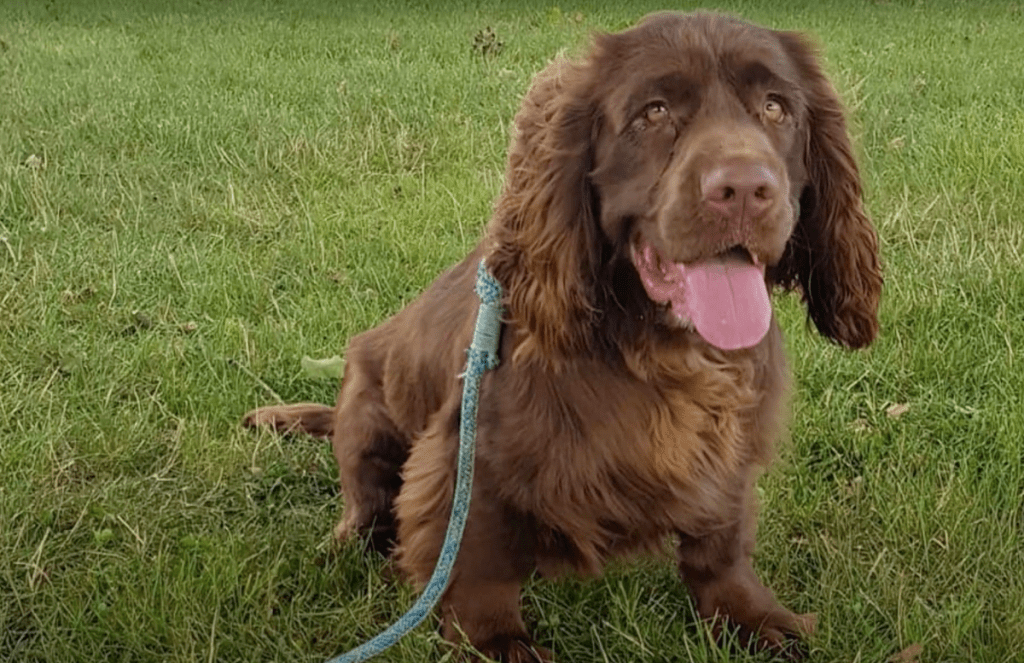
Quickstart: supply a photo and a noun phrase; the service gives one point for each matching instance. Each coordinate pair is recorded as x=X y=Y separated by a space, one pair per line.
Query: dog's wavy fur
x=607 y=427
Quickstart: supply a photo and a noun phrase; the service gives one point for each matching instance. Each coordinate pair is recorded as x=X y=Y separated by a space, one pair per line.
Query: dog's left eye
x=656 y=112
x=773 y=110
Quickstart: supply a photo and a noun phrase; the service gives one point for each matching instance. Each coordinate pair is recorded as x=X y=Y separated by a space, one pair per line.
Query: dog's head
x=708 y=154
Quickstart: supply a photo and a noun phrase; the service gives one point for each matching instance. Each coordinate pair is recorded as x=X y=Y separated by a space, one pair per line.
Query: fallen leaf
x=859 y=425
x=323 y=369
x=853 y=488
x=897 y=410
x=908 y=655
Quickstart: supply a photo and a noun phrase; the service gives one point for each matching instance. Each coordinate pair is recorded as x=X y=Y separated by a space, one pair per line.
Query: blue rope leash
x=482 y=356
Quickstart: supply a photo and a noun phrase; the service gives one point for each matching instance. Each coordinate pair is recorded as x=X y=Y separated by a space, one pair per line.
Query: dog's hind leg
x=370 y=451
x=367 y=446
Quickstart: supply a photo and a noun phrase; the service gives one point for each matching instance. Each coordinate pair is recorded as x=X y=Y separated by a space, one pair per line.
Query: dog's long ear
x=543 y=239
x=833 y=253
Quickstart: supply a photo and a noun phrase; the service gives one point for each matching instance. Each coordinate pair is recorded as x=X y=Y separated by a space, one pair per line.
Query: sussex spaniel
x=656 y=191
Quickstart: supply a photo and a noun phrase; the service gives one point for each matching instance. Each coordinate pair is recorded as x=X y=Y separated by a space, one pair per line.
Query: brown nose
x=739 y=190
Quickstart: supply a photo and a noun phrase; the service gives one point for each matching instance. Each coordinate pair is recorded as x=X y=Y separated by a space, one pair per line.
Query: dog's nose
x=739 y=190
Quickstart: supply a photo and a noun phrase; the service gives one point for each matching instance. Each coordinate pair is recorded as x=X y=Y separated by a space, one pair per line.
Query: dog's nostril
x=739 y=188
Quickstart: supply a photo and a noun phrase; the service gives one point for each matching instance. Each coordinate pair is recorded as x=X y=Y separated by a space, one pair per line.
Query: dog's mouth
x=724 y=297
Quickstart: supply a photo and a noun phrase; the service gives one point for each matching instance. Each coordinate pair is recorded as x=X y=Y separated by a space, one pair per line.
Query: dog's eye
x=655 y=112
x=773 y=111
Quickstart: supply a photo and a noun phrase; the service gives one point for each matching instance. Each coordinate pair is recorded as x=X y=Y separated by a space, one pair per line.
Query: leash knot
x=484 y=348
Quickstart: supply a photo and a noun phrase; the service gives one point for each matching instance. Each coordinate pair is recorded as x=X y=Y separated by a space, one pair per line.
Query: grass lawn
x=194 y=195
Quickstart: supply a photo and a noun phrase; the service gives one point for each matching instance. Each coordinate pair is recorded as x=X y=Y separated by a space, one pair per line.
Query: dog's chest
x=616 y=468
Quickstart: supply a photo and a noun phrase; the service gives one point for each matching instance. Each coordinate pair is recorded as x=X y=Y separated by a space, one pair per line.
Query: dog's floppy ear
x=833 y=253
x=543 y=238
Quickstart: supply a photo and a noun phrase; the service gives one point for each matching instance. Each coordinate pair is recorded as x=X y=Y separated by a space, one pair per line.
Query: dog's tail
x=309 y=418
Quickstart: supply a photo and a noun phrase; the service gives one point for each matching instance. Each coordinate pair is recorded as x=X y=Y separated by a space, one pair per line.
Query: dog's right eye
x=774 y=111
x=653 y=114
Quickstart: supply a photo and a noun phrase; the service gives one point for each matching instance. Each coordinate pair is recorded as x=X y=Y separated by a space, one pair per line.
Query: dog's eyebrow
x=675 y=88
x=758 y=74
x=675 y=84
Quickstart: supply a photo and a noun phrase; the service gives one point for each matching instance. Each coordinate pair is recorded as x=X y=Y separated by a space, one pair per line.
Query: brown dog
x=656 y=190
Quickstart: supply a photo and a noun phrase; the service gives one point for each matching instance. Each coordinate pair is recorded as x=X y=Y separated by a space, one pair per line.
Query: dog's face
x=698 y=167
x=699 y=149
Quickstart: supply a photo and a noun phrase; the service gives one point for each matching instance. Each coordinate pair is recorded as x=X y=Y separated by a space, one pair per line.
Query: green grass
x=194 y=196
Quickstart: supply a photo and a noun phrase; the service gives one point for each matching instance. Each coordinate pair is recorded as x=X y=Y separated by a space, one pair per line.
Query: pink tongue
x=724 y=297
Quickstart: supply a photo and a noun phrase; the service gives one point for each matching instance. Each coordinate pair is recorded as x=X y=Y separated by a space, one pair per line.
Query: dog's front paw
x=738 y=599
x=512 y=649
